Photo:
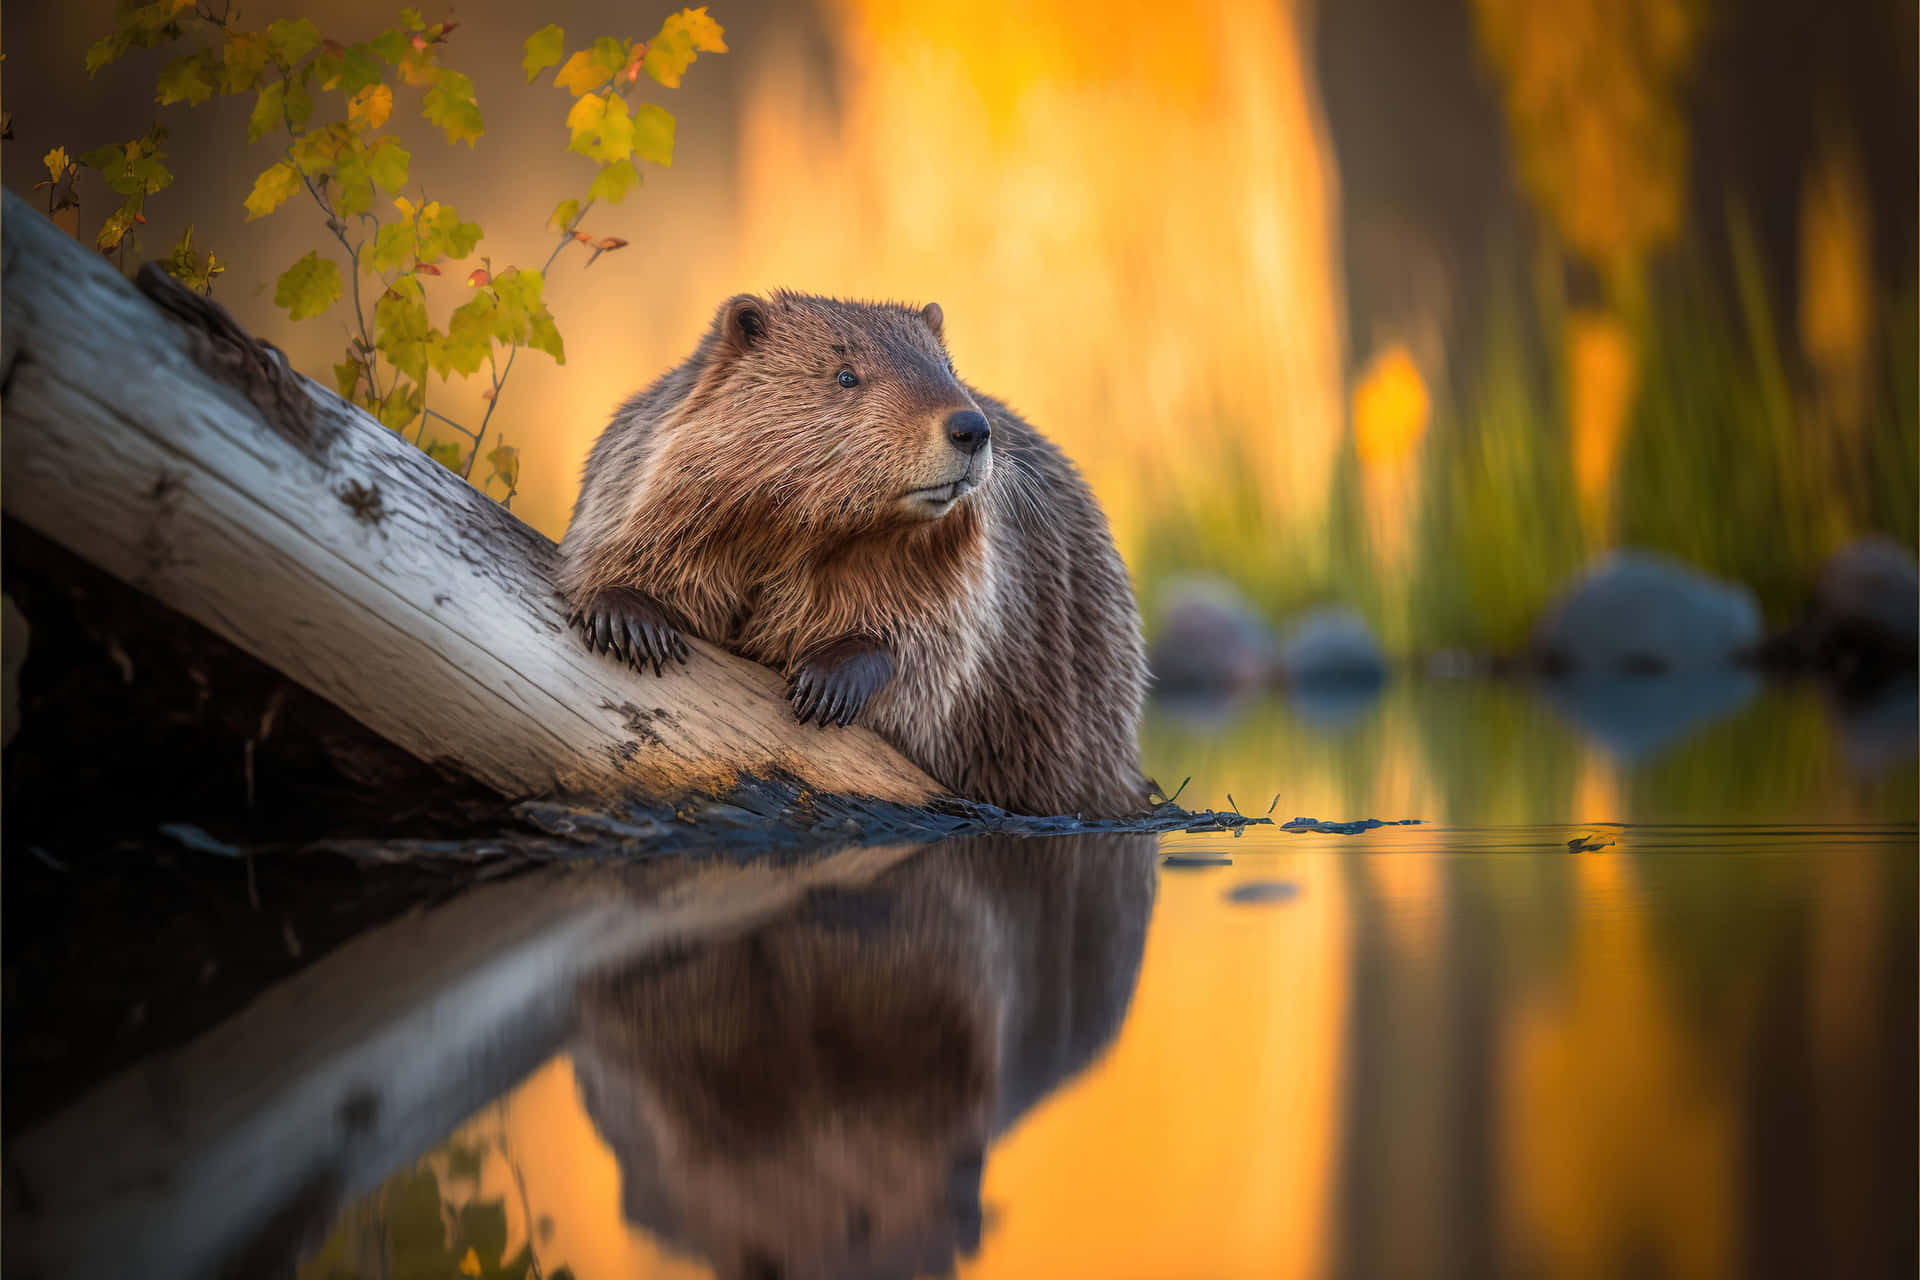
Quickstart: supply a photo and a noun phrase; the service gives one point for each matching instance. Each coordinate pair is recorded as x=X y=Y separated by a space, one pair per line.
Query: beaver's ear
x=936 y=319
x=742 y=322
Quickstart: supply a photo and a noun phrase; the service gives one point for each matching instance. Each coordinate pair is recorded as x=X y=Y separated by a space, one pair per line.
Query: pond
x=1635 y=996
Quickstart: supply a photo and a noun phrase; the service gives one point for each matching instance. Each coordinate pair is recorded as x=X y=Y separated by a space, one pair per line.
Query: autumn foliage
x=329 y=103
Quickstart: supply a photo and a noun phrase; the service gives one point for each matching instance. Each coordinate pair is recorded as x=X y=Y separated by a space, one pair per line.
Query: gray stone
x=1210 y=638
x=1637 y=611
x=1332 y=646
x=1871 y=589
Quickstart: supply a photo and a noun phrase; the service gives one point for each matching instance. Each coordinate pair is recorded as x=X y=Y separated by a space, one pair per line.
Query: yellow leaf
x=706 y=34
x=581 y=74
x=470 y=1265
x=683 y=36
x=371 y=106
x=271 y=189
x=57 y=162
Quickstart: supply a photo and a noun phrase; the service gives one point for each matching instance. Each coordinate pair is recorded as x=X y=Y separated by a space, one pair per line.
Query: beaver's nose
x=968 y=430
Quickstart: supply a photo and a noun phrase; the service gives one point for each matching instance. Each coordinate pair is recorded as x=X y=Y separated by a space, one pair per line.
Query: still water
x=1457 y=1048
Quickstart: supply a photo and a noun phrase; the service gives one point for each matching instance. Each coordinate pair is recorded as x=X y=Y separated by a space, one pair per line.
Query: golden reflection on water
x=1450 y=1051
x=1243 y=1120
x=1202 y=1143
x=1206 y=1141
x=1600 y=1074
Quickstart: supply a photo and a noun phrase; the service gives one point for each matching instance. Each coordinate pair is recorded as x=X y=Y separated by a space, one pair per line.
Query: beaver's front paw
x=835 y=681
x=632 y=625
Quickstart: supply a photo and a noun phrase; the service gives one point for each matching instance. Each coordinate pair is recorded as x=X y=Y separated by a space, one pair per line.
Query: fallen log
x=168 y=449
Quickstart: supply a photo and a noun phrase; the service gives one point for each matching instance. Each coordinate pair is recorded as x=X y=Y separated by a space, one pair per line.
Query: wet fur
x=755 y=499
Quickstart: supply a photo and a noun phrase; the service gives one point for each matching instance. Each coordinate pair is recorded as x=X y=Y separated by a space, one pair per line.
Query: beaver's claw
x=633 y=626
x=835 y=682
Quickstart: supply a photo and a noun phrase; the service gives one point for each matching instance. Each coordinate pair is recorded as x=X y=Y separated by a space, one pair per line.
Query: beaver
x=815 y=489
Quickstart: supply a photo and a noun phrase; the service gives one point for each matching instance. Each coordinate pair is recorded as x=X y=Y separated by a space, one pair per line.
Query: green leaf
x=346 y=376
x=269 y=111
x=545 y=335
x=394 y=247
x=469 y=337
x=355 y=181
x=602 y=129
x=450 y=104
x=102 y=52
x=187 y=267
x=289 y=40
x=109 y=158
x=610 y=55
x=447 y=454
x=387 y=165
x=308 y=287
x=444 y=235
x=271 y=189
x=359 y=68
x=402 y=332
x=563 y=215
x=653 y=133
x=390 y=45
x=402 y=406
x=522 y=316
x=114 y=229
x=189 y=79
x=545 y=48
x=614 y=181
x=244 y=59
x=505 y=462
x=299 y=102
x=315 y=152
x=682 y=37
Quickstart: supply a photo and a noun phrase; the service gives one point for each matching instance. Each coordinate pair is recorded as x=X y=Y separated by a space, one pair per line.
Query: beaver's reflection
x=815 y=1098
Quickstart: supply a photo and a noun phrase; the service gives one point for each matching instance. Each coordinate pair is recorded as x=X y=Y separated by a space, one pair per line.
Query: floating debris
x=1345 y=828
x=1587 y=844
x=1190 y=861
x=1263 y=891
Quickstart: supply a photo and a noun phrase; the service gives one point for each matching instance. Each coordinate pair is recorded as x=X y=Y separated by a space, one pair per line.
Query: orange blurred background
x=1303 y=288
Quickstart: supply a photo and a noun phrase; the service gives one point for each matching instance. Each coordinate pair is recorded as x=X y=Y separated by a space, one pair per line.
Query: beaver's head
x=844 y=413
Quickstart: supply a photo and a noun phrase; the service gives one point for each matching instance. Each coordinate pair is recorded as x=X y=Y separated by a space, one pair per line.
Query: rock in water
x=1210 y=639
x=1865 y=616
x=1332 y=646
x=1637 y=611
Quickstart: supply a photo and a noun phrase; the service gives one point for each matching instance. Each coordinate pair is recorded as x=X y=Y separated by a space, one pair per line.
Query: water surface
x=1458 y=1048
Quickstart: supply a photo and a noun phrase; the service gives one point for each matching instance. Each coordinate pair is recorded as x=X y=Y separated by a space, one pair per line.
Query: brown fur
x=758 y=501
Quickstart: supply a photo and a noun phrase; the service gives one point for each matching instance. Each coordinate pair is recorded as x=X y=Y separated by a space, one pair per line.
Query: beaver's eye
x=848 y=378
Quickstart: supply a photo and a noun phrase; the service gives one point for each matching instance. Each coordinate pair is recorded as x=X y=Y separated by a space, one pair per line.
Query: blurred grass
x=1495 y=754
x=1725 y=464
